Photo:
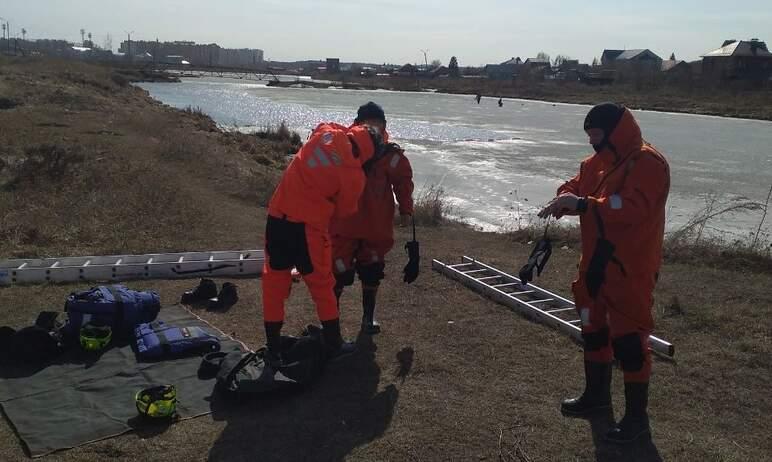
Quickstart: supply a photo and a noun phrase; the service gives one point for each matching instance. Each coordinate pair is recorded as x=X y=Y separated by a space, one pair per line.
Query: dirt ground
x=485 y=387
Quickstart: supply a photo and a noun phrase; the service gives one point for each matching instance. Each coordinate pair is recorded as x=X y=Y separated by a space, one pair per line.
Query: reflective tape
x=615 y=201
x=322 y=157
x=394 y=161
x=584 y=314
x=340 y=266
x=336 y=159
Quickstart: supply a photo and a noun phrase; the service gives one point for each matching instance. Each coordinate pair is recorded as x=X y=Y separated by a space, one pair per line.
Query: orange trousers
x=618 y=322
x=295 y=245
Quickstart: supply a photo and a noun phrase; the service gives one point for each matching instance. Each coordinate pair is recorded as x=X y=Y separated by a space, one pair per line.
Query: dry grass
x=431 y=207
x=484 y=387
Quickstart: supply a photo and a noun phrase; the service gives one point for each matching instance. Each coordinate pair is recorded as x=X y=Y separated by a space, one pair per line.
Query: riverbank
x=90 y=166
x=723 y=101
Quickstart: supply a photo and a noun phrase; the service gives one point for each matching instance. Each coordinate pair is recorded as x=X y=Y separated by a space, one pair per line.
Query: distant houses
x=738 y=60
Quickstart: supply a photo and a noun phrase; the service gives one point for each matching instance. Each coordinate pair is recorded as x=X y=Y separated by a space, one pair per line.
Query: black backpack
x=302 y=360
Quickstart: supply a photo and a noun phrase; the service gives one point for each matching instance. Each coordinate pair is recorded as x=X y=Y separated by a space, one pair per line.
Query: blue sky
x=394 y=31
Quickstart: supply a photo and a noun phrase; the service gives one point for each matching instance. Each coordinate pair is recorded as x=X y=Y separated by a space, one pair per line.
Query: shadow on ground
x=341 y=411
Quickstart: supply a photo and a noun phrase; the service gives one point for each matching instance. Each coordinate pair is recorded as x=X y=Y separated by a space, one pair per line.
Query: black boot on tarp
x=337 y=348
x=597 y=392
x=635 y=423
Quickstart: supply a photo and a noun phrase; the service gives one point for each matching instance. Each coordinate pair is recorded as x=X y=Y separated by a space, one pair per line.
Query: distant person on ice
x=501 y=102
x=361 y=241
x=324 y=180
x=619 y=195
x=478 y=98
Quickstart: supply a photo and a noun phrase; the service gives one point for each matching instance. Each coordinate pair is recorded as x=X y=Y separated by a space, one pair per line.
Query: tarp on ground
x=80 y=399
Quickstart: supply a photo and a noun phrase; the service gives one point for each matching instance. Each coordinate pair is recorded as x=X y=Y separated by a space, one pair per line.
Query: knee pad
x=344 y=279
x=595 y=341
x=372 y=274
x=629 y=351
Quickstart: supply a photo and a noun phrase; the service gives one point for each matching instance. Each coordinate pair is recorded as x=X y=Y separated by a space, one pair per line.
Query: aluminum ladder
x=129 y=267
x=530 y=300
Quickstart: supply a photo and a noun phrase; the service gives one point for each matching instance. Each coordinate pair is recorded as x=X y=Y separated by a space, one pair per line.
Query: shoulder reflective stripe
x=311 y=163
x=394 y=161
x=336 y=159
x=340 y=266
x=615 y=201
x=323 y=159
x=584 y=314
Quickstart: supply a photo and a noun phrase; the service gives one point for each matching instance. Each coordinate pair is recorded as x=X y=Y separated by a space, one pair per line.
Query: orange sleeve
x=401 y=178
x=640 y=197
x=572 y=185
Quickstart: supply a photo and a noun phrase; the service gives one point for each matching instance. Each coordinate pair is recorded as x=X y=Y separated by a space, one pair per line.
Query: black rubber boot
x=337 y=348
x=205 y=290
x=227 y=297
x=635 y=423
x=273 y=341
x=369 y=325
x=597 y=392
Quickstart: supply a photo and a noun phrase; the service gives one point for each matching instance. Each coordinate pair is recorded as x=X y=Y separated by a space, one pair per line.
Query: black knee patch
x=629 y=351
x=344 y=279
x=594 y=341
x=372 y=274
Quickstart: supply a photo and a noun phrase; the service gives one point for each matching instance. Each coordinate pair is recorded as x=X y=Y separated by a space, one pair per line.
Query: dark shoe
x=635 y=423
x=369 y=324
x=225 y=299
x=206 y=289
x=337 y=348
x=597 y=392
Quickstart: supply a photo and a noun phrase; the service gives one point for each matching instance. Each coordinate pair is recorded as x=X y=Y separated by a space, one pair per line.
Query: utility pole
x=426 y=60
x=131 y=58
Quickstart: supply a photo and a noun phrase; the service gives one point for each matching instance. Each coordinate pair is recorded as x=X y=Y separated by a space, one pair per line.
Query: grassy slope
x=485 y=387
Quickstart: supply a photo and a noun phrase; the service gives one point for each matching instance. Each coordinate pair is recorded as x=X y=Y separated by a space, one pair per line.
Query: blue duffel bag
x=116 y=306
x=157 y=340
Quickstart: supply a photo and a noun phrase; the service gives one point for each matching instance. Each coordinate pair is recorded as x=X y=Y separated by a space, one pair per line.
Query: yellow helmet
x=159 y=401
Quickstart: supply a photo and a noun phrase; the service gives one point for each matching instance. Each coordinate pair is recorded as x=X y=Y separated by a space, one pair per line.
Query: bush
x=48 y=162
x=431 y=208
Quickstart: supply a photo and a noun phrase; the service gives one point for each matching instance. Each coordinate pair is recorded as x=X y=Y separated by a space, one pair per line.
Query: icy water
x=496 y=164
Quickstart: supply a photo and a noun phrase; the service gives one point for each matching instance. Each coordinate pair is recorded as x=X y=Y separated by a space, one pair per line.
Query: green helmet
x=94 y=337
x=158 y=402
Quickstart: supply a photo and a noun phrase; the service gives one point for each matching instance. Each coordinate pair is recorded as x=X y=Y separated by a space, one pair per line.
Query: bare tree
x=23 y=34
x=436 y=63
x=560 y=59
x=108 y=42
x=543 y=55
x=453 y=67
x=82 y=36
x=595 y=62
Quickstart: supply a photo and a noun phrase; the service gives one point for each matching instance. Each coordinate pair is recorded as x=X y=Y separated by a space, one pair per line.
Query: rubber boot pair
x=597 y=398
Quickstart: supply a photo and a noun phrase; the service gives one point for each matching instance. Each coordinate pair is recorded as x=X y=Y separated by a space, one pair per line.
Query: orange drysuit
x=368 y=235
x=622 y=232
x=324 y=179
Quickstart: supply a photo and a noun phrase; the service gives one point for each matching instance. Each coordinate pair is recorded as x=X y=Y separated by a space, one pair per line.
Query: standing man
x=619 y=194
x=361 y=241
x=324 y=180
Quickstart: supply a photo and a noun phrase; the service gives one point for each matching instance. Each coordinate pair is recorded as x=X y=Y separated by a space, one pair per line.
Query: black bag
x=302 y=360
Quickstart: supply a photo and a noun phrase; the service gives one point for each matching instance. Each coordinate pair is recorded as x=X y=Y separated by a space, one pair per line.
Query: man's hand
x=559 y=206
x=404 y=221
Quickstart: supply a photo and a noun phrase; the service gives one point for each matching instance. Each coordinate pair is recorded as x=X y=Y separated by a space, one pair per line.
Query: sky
x=396 y=31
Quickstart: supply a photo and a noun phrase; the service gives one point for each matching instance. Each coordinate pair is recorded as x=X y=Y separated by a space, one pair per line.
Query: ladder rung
x=521 y=293
x=488 y=277
x=541 y=301
x=559 y=310
x=506 y=284
x=460 y=265
x=575 y=321
x=474 y=271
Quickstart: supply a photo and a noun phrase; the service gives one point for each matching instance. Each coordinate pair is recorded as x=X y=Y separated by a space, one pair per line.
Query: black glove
x=414 y=258
x=393 y=148
x=538 y=260
x=596 y=272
